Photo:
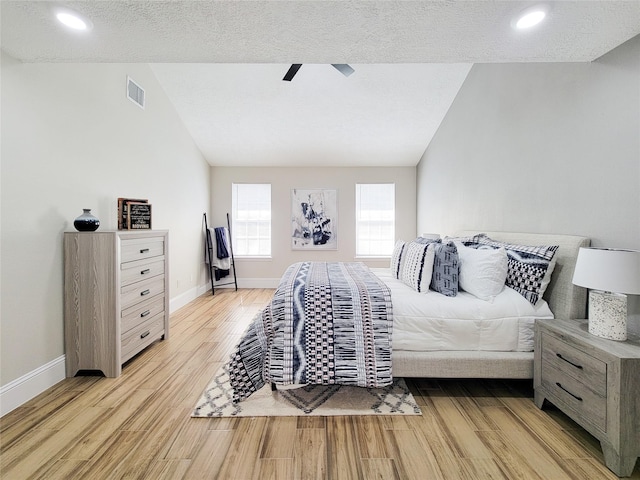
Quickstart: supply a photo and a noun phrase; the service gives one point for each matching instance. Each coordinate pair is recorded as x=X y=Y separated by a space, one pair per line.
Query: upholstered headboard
x=565 y=299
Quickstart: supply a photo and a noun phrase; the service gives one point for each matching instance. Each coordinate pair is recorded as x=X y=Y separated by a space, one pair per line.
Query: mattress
x=431 y=321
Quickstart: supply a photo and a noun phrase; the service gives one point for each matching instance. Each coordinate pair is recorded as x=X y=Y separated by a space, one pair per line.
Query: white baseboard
x=23 y=389
x=251 y=283
x=181 y=300
x=258 y=282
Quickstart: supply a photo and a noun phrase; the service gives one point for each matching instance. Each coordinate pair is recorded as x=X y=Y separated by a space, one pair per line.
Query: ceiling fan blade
x=343 y=68
x=293 y=69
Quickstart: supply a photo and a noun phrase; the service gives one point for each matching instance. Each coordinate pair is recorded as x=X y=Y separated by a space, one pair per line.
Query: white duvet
x=431 y=321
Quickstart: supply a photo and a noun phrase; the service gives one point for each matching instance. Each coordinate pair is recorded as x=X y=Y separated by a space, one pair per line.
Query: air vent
x=135 y=92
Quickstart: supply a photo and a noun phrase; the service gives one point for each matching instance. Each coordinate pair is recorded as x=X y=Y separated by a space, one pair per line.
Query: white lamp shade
x=609 y=270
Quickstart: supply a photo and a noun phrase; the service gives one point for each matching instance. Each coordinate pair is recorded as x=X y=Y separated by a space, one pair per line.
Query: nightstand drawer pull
x=145 y=334
x=144 y=250
x=574 y=396
x=569 y=361
x=145 y=313
x=145 y=271
x=145 y=292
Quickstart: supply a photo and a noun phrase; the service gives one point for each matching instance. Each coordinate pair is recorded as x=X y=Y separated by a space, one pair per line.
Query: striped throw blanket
x=327 y=323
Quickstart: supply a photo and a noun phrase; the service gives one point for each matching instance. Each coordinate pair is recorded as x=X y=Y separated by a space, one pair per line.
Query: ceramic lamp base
x=608 y=315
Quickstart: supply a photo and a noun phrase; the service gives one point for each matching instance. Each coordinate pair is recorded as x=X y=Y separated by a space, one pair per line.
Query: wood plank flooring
x=138 y=425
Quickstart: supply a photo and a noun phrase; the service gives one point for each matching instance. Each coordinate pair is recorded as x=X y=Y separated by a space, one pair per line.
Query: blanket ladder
x=210 y=251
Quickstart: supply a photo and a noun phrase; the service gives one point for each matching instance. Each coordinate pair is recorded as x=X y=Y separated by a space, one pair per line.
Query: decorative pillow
x=426 y=241
x=445 y=269
x=483 y=271
x=418 y=266
x=471 y=241
x=530 y=267
x=397 y=258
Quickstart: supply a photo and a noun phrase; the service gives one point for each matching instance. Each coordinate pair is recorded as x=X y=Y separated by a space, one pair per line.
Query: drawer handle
x=144 y=250
x=145 y=292
x=145 y=313
x=145 y=334
x=568 y=361
x=574 y=396
x=145 y=271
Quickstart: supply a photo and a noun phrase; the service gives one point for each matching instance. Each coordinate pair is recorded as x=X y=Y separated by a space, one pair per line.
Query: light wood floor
x=138 y=425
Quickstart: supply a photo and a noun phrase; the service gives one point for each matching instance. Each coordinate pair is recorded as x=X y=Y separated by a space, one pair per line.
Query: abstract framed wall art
x=314 y=219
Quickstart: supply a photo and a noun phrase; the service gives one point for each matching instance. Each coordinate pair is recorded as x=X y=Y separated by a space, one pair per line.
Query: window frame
x=256 y=222
x=381 y=223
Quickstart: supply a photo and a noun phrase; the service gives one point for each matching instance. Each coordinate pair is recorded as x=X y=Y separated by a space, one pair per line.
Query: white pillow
x=417 y=266
x=483 y=271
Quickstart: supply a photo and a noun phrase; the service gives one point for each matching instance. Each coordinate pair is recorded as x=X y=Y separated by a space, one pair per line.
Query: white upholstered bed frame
x=565 y=300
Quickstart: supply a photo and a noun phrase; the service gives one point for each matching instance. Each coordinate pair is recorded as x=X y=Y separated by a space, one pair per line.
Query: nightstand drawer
x=582 y=367
x=141 y=248
x=588 y=406
x=140 y=270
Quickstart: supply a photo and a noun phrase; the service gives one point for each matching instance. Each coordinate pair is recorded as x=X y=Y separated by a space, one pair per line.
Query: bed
x=563 y=298
x=345 y=323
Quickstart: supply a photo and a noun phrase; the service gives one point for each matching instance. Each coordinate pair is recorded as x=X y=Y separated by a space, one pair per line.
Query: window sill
x=254 y=259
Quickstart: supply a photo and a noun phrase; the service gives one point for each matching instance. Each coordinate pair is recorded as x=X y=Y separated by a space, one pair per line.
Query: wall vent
x=135 y=92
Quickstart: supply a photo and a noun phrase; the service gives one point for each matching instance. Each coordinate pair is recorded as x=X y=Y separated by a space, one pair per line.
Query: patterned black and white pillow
x=426 y=241
x=529 y=267
x=397 y=258
x=418 y=266
x=444 y=279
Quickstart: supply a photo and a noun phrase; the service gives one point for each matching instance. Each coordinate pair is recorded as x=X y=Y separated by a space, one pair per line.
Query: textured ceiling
x=381 y=115
x=221 y=64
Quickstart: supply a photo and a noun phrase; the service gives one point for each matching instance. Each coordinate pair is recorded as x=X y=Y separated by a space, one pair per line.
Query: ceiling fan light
x=530 y=17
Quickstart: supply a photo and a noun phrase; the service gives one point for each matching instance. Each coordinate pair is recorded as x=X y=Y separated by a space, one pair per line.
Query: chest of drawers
x=116 y=287
x=594 y=381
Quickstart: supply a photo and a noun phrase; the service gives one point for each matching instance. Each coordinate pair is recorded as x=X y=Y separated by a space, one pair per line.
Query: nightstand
x=594 y=381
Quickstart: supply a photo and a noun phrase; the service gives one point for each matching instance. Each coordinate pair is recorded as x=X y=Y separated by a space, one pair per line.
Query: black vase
x=86 y=222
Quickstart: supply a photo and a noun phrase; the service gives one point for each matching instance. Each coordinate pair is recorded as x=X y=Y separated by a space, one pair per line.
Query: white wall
x=283 y=180
x=72 y=140
x=540 y=148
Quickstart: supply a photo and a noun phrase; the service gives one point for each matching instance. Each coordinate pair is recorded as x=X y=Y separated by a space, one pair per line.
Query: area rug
x=308 y=400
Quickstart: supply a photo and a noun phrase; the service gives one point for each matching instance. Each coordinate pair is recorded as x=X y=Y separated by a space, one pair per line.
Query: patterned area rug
x=318 y=400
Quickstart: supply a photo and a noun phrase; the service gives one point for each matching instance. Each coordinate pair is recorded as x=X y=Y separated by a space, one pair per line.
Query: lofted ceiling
x=221 y=63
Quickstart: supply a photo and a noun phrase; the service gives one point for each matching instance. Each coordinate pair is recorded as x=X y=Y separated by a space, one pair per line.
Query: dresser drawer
x=140 y=291
x=140 y=270
x=141 y=312
x=588 y=406
x=133 y=249
x=583 y=367
x=141 y=336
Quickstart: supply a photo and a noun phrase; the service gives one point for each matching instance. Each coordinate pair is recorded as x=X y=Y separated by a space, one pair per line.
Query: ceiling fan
x=343 y=68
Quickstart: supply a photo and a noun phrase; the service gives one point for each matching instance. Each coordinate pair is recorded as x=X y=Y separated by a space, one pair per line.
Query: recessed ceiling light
x=530 y=16
x=73 y=20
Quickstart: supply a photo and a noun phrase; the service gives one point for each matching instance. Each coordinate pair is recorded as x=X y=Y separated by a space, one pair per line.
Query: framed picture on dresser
x=123 y=212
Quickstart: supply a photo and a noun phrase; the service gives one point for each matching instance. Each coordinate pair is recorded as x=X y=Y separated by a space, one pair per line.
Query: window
x=375 y=219
x=251 y=206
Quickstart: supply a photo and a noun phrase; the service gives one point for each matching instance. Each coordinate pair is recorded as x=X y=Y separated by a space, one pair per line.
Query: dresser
x=594 y=381
x=116 y=297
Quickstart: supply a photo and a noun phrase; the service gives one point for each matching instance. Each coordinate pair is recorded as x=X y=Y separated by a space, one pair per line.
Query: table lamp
x=610 y=274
